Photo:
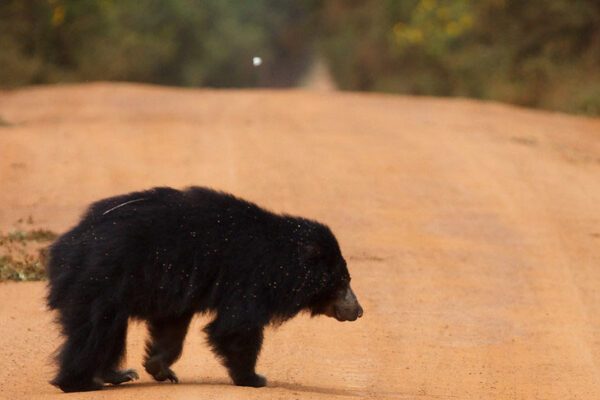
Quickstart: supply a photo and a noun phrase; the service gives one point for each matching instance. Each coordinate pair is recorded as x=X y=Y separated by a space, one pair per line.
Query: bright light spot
x=256 y=61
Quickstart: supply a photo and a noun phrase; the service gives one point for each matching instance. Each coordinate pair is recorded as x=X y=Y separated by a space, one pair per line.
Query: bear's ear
x=310 y=250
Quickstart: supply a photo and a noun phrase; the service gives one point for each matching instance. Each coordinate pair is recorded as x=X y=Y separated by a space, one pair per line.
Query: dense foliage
x=177 y=42
x=536 y=53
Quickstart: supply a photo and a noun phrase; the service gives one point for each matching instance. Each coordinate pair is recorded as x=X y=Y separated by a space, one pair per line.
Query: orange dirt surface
x=472 y=232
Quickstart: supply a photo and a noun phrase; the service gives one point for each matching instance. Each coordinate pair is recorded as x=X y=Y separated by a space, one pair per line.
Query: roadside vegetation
x=23 y=252
x=538 y=54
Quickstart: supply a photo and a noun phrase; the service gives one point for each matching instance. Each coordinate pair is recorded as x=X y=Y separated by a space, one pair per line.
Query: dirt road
x=472 y=231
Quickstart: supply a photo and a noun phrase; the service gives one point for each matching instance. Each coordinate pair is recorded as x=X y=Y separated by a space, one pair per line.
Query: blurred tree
x=178 y=42
x=536 y=53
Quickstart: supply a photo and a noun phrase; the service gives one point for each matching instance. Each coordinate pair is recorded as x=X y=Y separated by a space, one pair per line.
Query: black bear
x=163 y=255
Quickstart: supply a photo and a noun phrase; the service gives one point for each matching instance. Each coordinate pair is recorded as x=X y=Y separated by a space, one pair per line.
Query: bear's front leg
x=239 y=349
x=165 y=345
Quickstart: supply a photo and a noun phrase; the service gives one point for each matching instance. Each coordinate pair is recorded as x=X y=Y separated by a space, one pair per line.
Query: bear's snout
x=347 y=307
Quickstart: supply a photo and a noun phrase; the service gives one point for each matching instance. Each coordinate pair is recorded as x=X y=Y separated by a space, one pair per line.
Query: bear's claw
x=165 y=374
x=122 y=376
x=160 y=372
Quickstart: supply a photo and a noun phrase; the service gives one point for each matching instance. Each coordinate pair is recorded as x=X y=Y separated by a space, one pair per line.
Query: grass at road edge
x=23 y=253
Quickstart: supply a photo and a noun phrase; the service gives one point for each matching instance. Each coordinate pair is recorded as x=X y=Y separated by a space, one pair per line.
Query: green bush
x=23 y=254
x=508 y=50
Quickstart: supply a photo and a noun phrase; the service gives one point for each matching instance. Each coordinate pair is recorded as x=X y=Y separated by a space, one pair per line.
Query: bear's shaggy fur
x=162 y=256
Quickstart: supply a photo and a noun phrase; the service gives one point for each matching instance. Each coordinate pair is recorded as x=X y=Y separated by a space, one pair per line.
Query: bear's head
x=338 y=300
x=334 y=297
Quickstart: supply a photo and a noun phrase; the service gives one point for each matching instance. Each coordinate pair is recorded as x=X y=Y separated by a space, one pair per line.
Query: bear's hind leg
x=77 y=362
x=239 y=349
x=94 y=345
x=165 y=345
x=70 y=380
x=110 y=373
x=95 y=340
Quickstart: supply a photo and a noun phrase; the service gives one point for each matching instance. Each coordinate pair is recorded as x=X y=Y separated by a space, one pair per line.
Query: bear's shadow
x=294 y=387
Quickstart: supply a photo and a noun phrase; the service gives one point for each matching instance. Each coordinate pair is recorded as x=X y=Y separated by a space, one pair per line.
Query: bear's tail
x=65 y=261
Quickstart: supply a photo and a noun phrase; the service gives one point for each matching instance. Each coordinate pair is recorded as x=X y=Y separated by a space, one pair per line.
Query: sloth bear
x=163 y=255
